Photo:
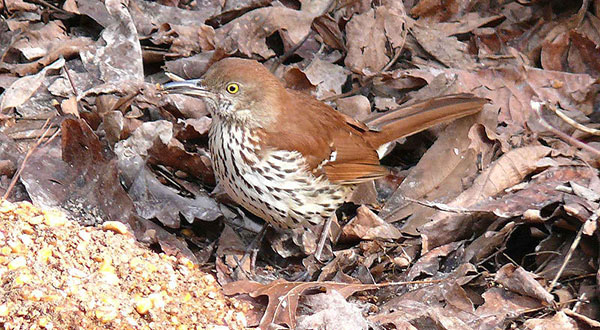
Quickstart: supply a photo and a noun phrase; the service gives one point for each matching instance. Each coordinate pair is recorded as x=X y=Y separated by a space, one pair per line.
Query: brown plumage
x=290 y=158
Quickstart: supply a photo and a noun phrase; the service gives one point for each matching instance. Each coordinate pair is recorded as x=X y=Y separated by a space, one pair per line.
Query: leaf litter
x=494 y=217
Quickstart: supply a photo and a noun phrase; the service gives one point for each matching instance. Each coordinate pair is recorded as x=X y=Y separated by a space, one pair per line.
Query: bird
x=289 y=158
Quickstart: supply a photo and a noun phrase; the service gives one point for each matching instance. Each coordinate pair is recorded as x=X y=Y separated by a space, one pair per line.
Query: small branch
x=290 y=52
x=31 y=150
x=572 y=122
x=574 y=245
x=323 y=238
x=51 y=6
x=369 y=80
x=51 y=137
x=448 y=208
x=537 y=106
x=71 y=82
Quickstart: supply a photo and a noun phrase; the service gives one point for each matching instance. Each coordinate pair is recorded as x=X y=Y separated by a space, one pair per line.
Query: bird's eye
x=232 y=88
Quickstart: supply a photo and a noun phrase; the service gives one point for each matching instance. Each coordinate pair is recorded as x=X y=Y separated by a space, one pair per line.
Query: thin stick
x=51 y=137
x=572 y=122
x=70 y=79
x=446 y=207
x=592 y=218
x=537 y=106
x=323 y=238
x=369 y=80
x=15 y=178
x=51 y=6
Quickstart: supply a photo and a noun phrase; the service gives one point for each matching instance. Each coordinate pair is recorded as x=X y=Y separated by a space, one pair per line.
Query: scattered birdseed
x=56 y=274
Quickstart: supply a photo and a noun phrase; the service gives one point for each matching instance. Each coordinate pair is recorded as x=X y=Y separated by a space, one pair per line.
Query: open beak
x=188 y=87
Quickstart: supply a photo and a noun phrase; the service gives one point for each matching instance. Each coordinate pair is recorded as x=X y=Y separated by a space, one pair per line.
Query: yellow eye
x=233 y=88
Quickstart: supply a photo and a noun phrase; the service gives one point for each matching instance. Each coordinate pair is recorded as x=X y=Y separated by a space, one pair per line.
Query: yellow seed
x=44 y=254
x=43 y=322
x=157 y=299
x=117 y=227
x=142 y=305
x=6 y=206
x=557 y=83
x=108 y=272
x=106 y=265
x=4 y=310
x=51 y=297
x=22 y=279
x=105 y=315
x=25 y=206
x=186 y=262
x=17 y=247
x=5 y=250
x=16 y=263
x=151 y=267
x=36 y=220
x=187 y=232
x=36 y=295
x=187 y=297
x=54 y=218
x=135 y=262
x=27 y=229
x=182 y=327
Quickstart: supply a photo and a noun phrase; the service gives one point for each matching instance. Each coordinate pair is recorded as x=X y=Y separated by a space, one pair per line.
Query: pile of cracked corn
x=56 y=274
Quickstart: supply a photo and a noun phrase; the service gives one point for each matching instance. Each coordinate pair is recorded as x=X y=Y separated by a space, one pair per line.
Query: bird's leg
x=252 y=249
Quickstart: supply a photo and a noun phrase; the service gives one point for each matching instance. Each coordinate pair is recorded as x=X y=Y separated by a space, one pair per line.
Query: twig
x=71 y=82
x=290 y=52
x=500 y=250
x=537 y=106
x=572 y=122
x=383 y=285
x=581 y=12
x=592 y=218
x=251 y=251
x=448 y=208
x=51 y=6
x=51 y=137
x=580 y=299
x=510 y=259
x=323 y=238
x=238 y=262
x=369 y=80
x=544 y=263
x=351 y=92
x=15 y=178
x=536 y=309
x=123 y=102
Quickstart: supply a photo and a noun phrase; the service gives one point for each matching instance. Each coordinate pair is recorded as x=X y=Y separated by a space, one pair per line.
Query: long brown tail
x=417 y=117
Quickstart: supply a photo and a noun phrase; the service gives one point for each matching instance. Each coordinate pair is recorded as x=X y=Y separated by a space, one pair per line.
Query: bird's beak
x=188 y=87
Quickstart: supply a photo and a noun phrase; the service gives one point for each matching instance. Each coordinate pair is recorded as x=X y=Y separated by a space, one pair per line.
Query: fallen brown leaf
x=284 y=296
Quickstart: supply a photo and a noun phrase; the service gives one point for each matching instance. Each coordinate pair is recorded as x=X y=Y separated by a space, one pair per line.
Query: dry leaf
x=247 y=34
x=518 y=280
x=284 y=296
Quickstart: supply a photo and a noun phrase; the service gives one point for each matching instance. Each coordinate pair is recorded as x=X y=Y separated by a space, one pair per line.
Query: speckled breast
x=272 y=184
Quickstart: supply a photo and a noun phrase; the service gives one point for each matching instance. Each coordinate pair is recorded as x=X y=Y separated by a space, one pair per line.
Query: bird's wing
x=332 y=143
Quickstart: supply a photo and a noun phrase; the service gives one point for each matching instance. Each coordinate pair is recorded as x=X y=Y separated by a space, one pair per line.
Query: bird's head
x=236 y=89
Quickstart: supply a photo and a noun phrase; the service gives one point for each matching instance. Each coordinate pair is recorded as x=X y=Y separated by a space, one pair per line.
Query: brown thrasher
x=289 y=158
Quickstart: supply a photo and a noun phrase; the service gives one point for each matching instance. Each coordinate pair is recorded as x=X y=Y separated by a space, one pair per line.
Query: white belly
x=267 y=182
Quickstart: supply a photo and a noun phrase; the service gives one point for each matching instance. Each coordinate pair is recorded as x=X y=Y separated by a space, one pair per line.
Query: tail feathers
x=408 y=120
